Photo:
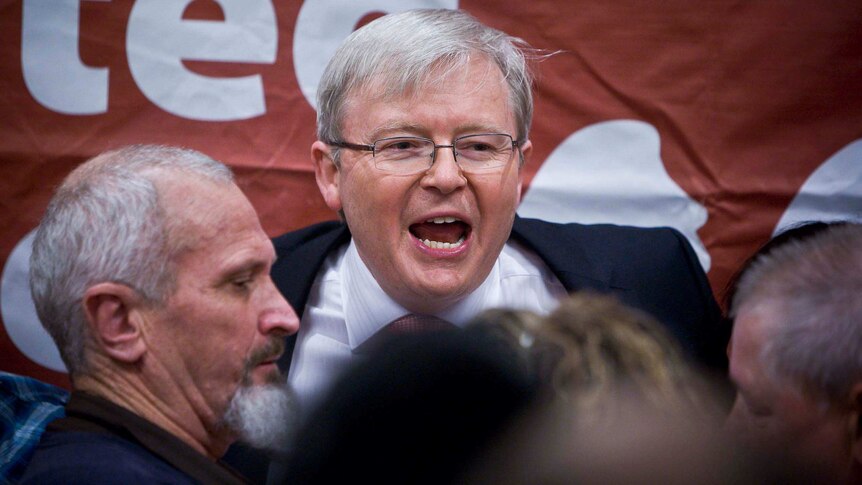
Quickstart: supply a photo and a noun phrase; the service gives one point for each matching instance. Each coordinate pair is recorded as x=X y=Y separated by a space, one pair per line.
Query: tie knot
x=413 y=323
x=410 y=324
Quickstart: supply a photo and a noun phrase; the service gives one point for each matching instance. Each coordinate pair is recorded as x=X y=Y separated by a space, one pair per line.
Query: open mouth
x=441 y=232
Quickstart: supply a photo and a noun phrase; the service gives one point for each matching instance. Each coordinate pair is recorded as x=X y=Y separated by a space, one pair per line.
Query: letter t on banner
x=52 y=67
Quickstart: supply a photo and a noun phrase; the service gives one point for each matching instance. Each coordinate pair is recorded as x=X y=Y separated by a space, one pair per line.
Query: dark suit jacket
x=651 y=269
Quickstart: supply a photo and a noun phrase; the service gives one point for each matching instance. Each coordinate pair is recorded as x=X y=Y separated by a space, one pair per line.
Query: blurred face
x=776 y=414
x=225 y=324
x=391 y=216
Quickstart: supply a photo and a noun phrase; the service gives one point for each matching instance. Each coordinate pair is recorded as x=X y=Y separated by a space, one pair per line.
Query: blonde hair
x=603 y=358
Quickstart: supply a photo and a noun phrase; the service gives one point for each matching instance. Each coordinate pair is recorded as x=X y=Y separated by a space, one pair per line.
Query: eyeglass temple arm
x=352 y=146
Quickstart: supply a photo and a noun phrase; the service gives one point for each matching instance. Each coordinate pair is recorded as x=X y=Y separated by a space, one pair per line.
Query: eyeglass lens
x=472 y=152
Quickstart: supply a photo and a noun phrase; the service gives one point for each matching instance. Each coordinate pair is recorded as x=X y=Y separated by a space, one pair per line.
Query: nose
x=277 y=317
x=445 y=174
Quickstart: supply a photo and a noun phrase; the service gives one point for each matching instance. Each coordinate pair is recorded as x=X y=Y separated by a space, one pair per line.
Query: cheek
x=498 y=201
x=227 y=334
x=363 y=195
x=373 y=206
x=505 y=187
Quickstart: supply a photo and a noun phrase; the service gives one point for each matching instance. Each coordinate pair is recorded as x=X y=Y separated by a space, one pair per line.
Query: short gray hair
x=105 y=223
x=812 y=288
x=401 y=51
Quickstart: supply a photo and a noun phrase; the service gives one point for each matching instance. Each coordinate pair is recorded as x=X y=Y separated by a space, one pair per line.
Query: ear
x=856 y=423
x=526 y=149
x=326 y=172
x=111 y=311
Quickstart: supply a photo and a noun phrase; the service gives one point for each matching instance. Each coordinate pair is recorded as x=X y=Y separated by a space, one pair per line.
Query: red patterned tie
x=410 y=324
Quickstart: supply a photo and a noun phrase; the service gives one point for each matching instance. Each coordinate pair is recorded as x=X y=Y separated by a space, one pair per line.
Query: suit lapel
x=300 y=257
x=299 y=262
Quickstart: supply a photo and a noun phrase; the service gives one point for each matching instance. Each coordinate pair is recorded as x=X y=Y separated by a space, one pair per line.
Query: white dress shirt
x=346 y=306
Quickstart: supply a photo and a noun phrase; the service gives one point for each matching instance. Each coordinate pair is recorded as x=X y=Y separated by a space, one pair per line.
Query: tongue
x=449 y=233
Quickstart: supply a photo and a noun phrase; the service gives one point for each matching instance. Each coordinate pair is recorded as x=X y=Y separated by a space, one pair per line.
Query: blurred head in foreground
x=419 y=412
x=597 y=354
x=625 y=407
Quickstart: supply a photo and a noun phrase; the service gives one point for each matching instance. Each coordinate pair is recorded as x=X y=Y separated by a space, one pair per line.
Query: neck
x=168 y=411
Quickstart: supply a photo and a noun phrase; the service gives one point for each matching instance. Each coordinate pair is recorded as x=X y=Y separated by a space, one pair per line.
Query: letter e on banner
x=158 y=40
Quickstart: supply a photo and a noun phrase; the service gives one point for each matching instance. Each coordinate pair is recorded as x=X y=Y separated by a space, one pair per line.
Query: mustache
x=271 y=350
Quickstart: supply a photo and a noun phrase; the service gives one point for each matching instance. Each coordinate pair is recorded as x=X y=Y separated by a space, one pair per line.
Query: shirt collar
x=367 y=308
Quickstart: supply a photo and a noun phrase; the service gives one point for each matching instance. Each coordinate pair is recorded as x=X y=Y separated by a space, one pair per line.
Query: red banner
x=723 y=119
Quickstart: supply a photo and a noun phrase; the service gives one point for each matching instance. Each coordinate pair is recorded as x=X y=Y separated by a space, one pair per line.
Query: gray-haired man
x=150 y=270
x=796 y=351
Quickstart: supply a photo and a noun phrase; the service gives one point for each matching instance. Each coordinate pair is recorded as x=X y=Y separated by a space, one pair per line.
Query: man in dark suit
x=423 y=124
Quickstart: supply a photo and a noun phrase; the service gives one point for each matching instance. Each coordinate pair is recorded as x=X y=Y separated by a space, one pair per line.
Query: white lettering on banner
x=612 y=172
x=52 y=68
x=158 y=40
x=322 y=25
x=19 y=313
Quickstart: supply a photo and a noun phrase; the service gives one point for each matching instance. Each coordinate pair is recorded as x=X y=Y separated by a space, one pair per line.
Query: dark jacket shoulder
x=316 y=233
x=300 y=255
x=653 y=269
x=71 y=457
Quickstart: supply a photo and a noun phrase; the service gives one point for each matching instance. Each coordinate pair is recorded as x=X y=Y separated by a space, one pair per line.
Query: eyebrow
x=250 y=264
x=396 y=126
x=246 y=267
x=416 y=129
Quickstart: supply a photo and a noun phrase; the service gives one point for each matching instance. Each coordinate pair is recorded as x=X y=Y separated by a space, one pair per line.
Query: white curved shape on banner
x=322 y=25
x=612 y=172
x=833 y=192
x=19 y=314
x=158 y=39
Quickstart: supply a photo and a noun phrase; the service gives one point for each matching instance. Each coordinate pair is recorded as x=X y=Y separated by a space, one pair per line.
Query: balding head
x=107 y=222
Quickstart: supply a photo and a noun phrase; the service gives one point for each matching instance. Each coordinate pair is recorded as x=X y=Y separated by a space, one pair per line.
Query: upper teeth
x=442 y=220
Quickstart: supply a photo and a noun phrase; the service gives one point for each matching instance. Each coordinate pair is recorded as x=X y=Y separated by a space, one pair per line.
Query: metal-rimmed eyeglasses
x=481 y=152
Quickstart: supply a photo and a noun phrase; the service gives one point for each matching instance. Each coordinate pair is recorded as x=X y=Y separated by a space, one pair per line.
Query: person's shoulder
x=600 y=235
x=312 y=234
x=69 y=457
x=629 y=250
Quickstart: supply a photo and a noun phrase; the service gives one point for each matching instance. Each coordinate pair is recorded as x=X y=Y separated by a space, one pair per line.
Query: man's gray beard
x=262 y=415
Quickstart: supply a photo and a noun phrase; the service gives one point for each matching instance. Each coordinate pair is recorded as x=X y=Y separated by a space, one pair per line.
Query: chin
x=429 y=298
x=263 y=416
x=268 y=373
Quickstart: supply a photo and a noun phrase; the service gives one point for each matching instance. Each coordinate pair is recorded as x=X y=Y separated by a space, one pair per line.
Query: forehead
x=478 y=80
x=752 y=327
x=751 y=331
x=209 y=215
